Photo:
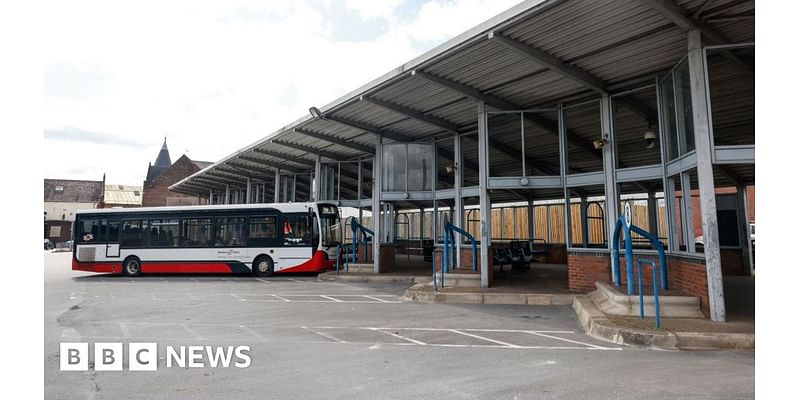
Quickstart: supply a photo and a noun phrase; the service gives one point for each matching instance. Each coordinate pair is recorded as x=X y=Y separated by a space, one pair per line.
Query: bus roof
x=286 y=207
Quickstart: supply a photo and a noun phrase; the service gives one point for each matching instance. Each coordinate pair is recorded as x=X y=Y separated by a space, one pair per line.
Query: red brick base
x=685 y=273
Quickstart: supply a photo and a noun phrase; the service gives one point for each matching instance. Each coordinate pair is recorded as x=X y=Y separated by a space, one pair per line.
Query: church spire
x=163 y=159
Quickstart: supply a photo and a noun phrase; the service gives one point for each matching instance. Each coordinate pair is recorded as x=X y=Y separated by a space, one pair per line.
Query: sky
x=215 y=76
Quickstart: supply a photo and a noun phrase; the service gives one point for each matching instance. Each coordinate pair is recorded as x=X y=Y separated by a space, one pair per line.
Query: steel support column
x=531 y=226
x=705 y=175
x=377 y=186
x=458 y=212
x=483 y=190
x=227 y=194
x=317 y=179
x=609 y=165
x=585 y=221
x=744 y=224
x=247 y=193
x=652 y=213
x=687 y=207
x=277 y=185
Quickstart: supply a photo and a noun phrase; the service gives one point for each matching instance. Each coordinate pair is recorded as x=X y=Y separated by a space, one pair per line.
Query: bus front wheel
x=263 y=266
x=132 y=266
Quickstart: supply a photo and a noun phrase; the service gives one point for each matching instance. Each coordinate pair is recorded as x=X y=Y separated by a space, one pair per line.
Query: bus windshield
x=331 y=226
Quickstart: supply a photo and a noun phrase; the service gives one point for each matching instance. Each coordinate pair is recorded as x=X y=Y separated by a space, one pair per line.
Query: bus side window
x=296 y=230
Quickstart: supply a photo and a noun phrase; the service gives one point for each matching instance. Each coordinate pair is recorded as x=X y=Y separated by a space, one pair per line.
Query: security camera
x=650 y=139
x=599 y=144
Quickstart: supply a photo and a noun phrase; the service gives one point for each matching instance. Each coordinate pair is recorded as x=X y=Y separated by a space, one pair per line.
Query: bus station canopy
x=533 y=56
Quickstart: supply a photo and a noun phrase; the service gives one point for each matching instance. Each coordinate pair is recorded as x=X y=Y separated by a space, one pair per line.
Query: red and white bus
x=261 y=239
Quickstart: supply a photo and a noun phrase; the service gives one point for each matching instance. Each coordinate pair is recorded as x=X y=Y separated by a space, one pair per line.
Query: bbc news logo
x=144 y=356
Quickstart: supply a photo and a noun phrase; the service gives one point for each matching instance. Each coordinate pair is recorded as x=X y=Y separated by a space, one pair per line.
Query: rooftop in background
x=123 y=195
x=72 y=191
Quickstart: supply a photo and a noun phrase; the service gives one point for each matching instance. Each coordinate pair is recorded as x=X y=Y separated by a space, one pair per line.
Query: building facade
x=164 y=173
x=62 y=199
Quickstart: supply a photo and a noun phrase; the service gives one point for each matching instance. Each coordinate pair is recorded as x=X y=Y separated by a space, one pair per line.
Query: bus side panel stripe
x=317 y=263
x=186 y=267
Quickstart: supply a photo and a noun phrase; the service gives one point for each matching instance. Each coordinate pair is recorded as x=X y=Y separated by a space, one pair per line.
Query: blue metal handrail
x=655 y=292
x=356 y=227
x=449 y=253
x=662 y=259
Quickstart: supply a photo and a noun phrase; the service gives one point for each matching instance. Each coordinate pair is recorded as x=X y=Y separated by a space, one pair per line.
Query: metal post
x=377 y=187
x=227 y=194
x=687 y=206
x=317 y=178
x=609 y=166
x=563 y=153
x=585 y=221
x=744 y=218
x=294 y=187
x=485 y=201
x=458 y=215
x=705 y=175
x=652 y=213
x=247 y=199
x=277 y=185
x=210 y=196
x=531 y=226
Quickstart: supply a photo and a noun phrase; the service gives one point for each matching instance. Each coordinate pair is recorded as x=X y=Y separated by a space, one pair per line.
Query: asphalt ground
x=310 y=339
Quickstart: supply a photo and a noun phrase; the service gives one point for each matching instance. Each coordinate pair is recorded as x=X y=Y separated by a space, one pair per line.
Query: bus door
x=112 y=246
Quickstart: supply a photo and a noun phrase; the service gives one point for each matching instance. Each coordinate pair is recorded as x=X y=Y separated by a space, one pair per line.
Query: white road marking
x=254 y=333
x=483 y=338
x=235 y=296
x=375 y=298
x=262 y=280
x=323 y=334
x=565 y=340
x=330 y=298
x=279 y=297
x=400 y=337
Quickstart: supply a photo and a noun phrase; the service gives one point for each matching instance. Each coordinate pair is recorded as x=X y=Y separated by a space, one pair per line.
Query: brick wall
x=586 y=268
x=386 y=263
x=689 y=275
x=155 y=193
x=556 y=254
x=685 y=274
x=466 y=260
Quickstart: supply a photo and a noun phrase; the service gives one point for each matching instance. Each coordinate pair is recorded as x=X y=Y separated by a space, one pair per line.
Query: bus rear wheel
x=263 y=266
x=132 y=266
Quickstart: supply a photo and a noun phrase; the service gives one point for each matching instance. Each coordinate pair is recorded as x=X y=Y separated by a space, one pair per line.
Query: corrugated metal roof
x=621 y=42
x=123 y=195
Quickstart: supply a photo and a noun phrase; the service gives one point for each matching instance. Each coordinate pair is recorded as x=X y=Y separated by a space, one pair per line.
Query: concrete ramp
x=614 y=302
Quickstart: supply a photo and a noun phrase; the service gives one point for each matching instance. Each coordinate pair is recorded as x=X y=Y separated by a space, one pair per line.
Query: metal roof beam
x=678 y=16
x=285 y=157
x=264 y=162
x=337 y=141
x=731 y=175
x=308 y=149
x=411 y=113
x=230 y=176
x=496 y=102
x=372 y=129
x=552 y=62
x=639 y=107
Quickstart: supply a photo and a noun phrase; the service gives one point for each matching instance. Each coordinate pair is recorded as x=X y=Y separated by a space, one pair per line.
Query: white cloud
x=367 y=9
x=212 y=76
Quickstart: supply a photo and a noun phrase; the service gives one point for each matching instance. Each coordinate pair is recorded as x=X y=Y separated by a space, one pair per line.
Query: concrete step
x=462 y=280
x=614 y=302
x=359 y=267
